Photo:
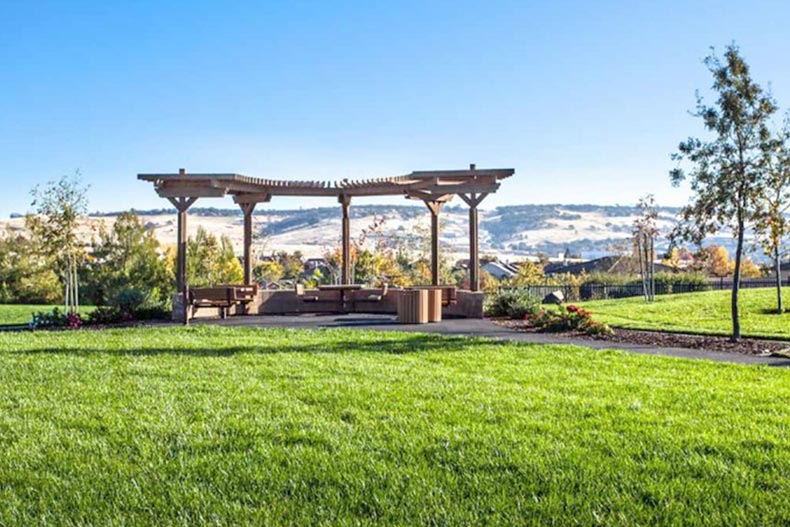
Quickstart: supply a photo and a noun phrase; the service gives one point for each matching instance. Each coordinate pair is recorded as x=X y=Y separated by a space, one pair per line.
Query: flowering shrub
x=74 y=321
x=55 y=319
x=571 y=318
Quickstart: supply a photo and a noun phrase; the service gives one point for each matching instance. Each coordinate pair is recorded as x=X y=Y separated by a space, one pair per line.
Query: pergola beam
x=176 y=190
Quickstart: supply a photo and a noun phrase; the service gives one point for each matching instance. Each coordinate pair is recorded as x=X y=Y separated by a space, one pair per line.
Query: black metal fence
x=599 y=291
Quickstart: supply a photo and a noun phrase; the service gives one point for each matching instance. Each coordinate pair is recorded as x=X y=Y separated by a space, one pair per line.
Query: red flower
x=572 y=309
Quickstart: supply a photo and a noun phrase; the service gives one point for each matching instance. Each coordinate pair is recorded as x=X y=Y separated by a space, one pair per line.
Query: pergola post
x=345 y=201
x=473 y=200
x=247 y=209
x=435 y=207
x=182 y=204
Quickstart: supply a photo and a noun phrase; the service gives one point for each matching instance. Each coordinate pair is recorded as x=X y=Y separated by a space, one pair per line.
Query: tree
x=645 y=232
x=26 y=272
x=672 y=259
x=127 y=256
x=727 y=172
x=749 y=269
x=772 y=226
x=58 y=208
x=268 y=271
x=529 y=273
x=211 y=261
x=719 y=261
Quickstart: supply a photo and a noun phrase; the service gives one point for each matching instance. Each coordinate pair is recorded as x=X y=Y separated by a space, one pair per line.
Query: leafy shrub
x=107 y=315
x=128 y=305
x=513 y=303
x=570 y=318
x=135 y=304
x=667 y=283
x=129 y=300
x=55 y=319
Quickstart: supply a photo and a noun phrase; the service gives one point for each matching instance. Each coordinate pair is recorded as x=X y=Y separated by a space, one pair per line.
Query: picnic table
x=343 y=290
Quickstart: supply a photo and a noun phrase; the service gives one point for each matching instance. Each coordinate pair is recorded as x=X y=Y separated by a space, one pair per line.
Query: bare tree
x=58 y=207
x=645 y=232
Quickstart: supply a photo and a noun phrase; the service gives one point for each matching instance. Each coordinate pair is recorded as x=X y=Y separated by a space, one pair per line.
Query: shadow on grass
x=772 y=311
x=404 y=344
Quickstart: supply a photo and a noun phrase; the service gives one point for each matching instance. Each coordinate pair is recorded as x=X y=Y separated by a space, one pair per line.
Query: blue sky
x=586 y=100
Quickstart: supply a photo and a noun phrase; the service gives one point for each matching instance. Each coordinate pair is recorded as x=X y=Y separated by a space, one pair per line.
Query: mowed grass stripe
x=208 y=425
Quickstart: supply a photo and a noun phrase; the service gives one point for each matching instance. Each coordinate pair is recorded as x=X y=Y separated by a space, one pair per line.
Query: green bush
x=131 y=304
x=667 y=282
x=106 y=315
x=512 y=303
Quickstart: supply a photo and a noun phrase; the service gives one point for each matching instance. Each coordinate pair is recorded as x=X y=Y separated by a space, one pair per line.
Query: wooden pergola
x=435 y=188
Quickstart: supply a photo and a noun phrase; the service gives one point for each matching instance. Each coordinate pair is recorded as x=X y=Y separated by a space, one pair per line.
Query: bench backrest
x=244 y=293
x=226 y=293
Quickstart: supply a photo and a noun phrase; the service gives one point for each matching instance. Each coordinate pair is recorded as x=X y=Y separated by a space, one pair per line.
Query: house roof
x=606 y=264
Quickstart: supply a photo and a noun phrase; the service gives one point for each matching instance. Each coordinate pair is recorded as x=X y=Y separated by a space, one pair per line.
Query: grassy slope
x=707 y=312
x=22 y=313
x=212 y=425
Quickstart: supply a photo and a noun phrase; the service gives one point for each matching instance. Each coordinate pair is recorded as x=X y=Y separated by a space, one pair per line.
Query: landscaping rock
x=555 y=297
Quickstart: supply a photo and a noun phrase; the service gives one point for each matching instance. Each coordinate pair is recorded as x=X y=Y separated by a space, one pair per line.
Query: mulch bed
x=662 y=339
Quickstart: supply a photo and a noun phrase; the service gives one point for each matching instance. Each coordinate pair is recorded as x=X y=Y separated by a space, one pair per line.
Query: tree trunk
x=642 y=268
x=652 y=270
x=736 y=282
x=778 y=268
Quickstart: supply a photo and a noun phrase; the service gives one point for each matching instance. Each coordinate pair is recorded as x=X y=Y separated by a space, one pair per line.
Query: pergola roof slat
x=438 y=182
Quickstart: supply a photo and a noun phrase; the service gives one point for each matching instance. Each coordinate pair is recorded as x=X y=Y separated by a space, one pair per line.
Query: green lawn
x=707 y=312
x=22 y=313
x=219 y=426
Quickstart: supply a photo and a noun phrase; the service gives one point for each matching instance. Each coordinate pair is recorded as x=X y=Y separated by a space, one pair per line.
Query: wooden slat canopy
x=246 y=189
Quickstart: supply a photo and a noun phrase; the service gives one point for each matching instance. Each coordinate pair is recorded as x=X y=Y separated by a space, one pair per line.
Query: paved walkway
x=480 y=328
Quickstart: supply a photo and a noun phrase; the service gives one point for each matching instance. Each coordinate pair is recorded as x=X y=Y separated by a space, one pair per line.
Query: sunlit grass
x=220 y=426
x=707 y=312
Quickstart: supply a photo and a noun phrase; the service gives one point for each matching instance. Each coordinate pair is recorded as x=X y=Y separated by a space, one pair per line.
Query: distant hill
x=510 y=232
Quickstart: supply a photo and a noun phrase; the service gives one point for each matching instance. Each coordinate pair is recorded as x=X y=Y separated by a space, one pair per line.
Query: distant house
x=500 y=270
x=315 y=263
x=784 y=271
x=607 y=264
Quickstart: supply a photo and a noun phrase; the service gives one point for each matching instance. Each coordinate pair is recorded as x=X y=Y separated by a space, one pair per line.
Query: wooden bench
x=222 y=297
x=449 y=292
